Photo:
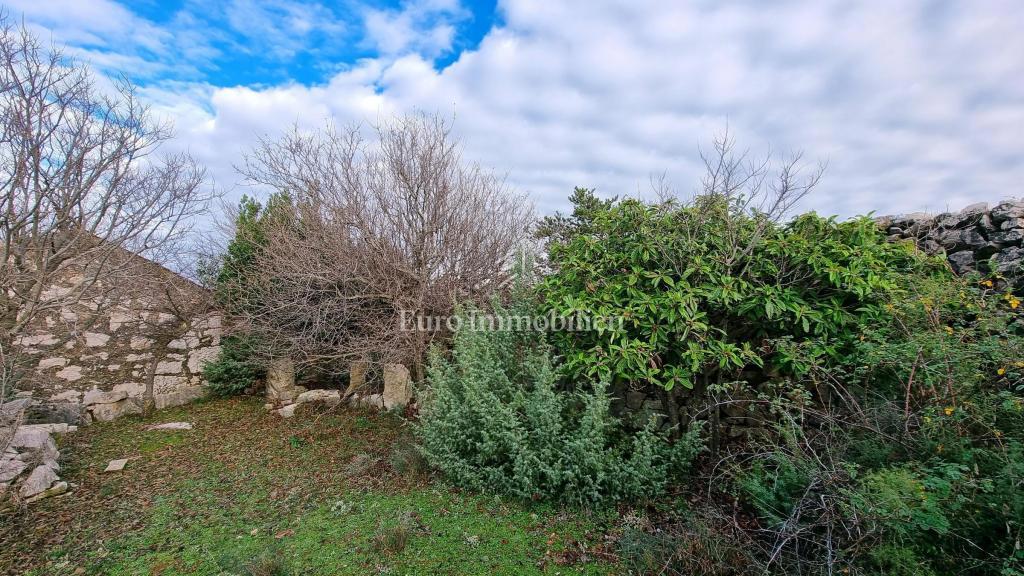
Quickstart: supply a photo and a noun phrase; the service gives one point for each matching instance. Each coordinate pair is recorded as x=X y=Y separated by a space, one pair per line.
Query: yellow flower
x=1019 y=364
x=949 y=329
x=927 y=419
x=998 y=434
x=987 y=283
x=1001 y=371
x=949 y=410
x=1014 y=303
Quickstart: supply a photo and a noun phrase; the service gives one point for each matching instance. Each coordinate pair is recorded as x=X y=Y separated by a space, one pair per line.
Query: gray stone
x=171 y=426
x=330 y=398
x=930 y=247
x=56 y=490
x=1012 y=224
x=356 y=377
x=169 y=367
x=41 y=478
x=116 y=465
x=11 y=468
x=108 y=412
x=1008 y=237
x=634 y=399
x=368 y=401
x=54 y=362
x=1008 y=261
x=397 y=386
x=280 y=380
x=53 y=428
x=95 y=339
x=200 y=356
x=70 y=373
x=962 y=262
x=288 y=411
x=1007 y=210
x=97 y=396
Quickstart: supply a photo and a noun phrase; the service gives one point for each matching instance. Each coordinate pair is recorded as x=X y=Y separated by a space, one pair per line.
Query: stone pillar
x=356 y=377
x=281 y=381
x=397 y=386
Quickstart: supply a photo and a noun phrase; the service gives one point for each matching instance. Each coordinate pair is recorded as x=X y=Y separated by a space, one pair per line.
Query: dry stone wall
x=976 y=239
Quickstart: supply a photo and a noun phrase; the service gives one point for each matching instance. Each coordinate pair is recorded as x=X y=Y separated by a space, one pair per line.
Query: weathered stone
x=97 y=396
x=288 y=411
x=37 y=340
x=179 y=397
x=200 y=356
x=962 y=262
x=397 y=386
x=1007 y=210
x=108 y=412
x=53 y=362
x=34 y=439
x=169 y=367
x=53 y=428
x=930 y=247
x=329 y=398
x=1008 y=262
x=1011 y=237
x=95 y=339
x=57 y=489
x=140 y=343
x=70 y=373
x=368 y=401
x=41 y=478
x=356 y=377
x=1012 y=224
x=11 y=468
x=171 y=426
x=280 y=380
x=116 y=465
x=635 y=399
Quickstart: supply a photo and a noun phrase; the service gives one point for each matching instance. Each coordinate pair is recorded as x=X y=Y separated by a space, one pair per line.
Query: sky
x=913 y=104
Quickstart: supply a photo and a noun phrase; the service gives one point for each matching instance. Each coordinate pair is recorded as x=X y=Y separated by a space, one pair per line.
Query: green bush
x=233 y=370
x=494 y=419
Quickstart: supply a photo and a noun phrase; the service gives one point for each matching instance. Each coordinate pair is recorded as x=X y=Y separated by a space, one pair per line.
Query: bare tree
x=377 y=231
x=81 y=188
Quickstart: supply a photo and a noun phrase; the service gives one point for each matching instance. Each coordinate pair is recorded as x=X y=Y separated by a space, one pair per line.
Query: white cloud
x=916 y=105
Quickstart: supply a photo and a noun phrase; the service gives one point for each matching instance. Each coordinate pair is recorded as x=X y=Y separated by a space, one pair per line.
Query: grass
x=247 y=493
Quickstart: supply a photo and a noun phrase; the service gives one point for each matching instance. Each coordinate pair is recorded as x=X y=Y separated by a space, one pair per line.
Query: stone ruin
x=285 y=397
x=29 y=459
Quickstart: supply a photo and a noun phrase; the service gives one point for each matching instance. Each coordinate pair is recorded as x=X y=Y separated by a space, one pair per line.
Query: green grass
x=247 y=493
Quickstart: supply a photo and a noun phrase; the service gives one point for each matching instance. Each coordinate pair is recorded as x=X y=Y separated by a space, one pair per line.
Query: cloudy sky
x=915 y=104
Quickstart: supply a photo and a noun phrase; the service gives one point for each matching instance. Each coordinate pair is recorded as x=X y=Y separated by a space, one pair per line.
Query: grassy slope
x=244 y=489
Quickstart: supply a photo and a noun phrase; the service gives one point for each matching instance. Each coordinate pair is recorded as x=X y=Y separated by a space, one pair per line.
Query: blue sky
x=916 y=104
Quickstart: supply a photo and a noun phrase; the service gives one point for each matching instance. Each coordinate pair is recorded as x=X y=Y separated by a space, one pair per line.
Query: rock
x=59 y=428
x=171 y=426
x=288 y=411
x=140 y=343
x=56 y=490
x=53 y=362
x=97 y=396
x=169 y=367
x=1007 y=210
x=95 y=339
x=108 y=412
x=14 y=409
x=1008 y=261
x=330 y=398
x=197 y=358
x=280 y=380
x=634 y=399
x=11 y=468
x=180 y=396
x=356 y=377
x=962 y=262
x=41 y=478
x=116 y=465
x=397 y=386
x=930 y=247
x=70 y=373
x=368 y=400
x=1012 y=224
x=33 y=439
x=1009 y=237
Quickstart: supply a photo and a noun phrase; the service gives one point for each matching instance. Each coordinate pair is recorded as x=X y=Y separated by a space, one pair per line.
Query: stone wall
x=975 y=239
x=90 y=362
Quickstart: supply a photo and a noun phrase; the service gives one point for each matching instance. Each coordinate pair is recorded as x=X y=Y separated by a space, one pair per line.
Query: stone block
x=281 y=380
x=200 y=356
x=70 y=373
x=52 y=362
x=95 y=339
x=97 y=396
x=169 y=367
x=397 y=386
